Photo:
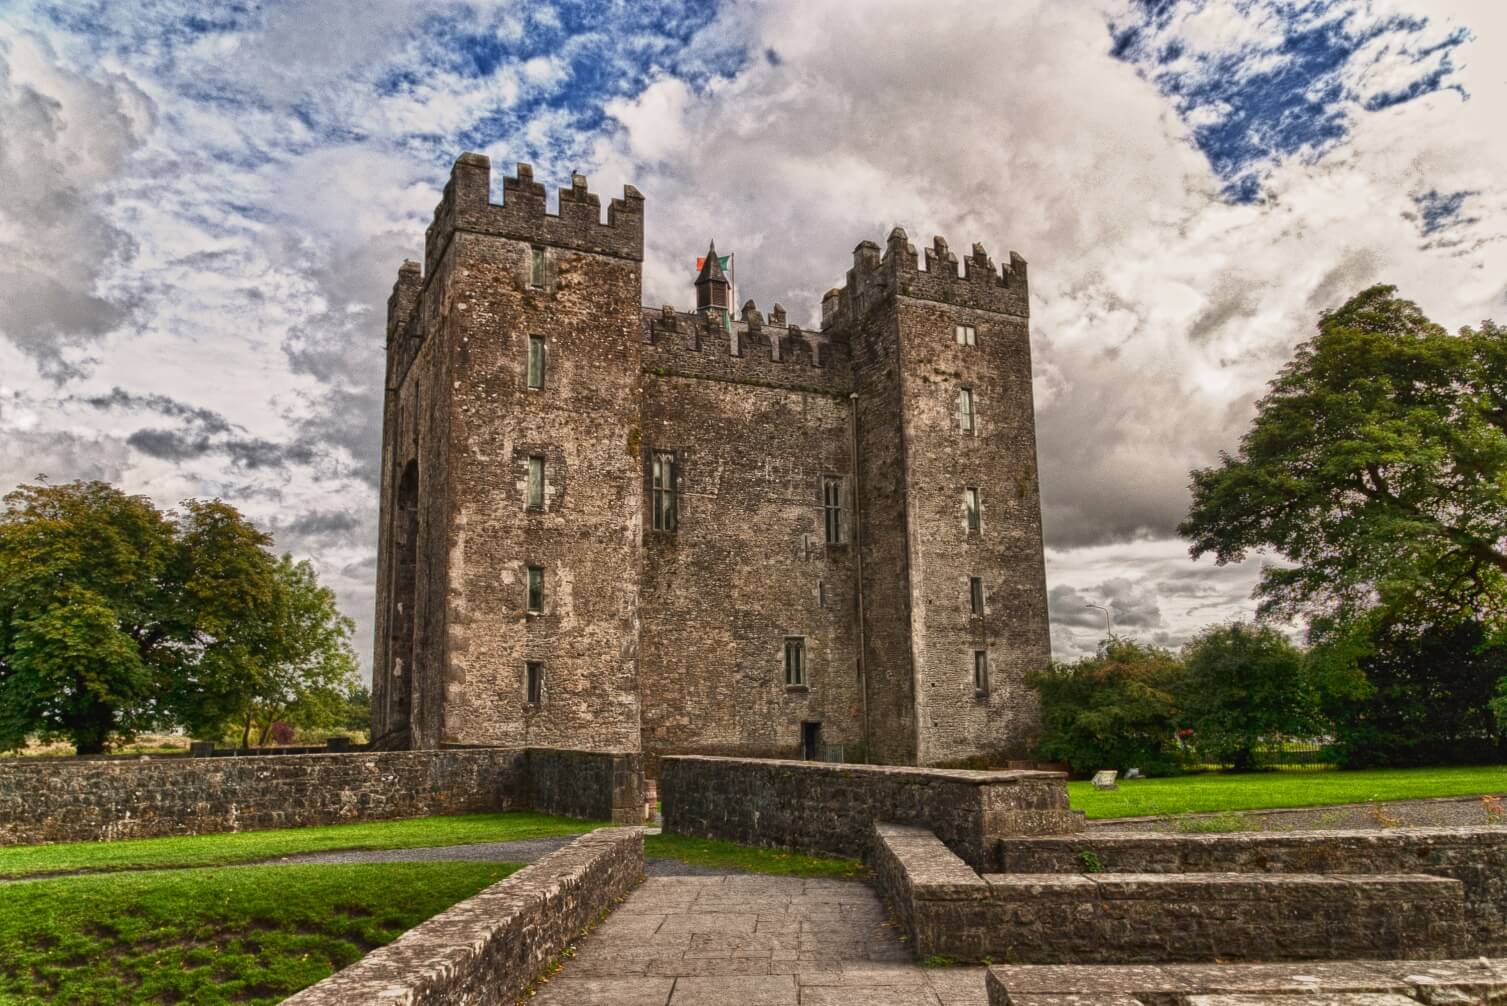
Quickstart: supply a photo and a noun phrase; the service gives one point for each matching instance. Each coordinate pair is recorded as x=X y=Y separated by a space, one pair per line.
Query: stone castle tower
x=606 y=526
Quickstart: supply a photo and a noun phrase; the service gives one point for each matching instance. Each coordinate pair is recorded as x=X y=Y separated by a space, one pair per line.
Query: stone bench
x=1346 y=983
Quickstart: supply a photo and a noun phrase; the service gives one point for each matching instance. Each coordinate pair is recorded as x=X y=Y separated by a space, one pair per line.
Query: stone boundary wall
x=1354 y=983
x=1136 y=918
x=1477 y=857
x=42 y=800
x=489 y=948
x=831 y=809
x=1423 y=812
x=587 y=784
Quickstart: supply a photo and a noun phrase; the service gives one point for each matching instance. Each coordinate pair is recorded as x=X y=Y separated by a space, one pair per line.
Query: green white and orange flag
x=722 y=260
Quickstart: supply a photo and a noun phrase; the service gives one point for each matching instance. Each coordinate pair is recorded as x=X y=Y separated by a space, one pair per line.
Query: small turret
x=713 y=291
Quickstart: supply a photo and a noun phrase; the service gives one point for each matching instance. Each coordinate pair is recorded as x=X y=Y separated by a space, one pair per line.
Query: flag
x=722 y=260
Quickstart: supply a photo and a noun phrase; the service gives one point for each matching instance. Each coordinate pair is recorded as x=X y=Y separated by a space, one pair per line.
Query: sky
x=203 y=208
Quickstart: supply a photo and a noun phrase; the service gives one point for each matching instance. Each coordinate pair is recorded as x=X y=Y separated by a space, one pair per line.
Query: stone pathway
x=753 y=941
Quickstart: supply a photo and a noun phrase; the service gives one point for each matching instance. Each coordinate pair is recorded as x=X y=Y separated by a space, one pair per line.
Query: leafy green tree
x=1114 y=710
x=1413 y=693
x=1499 y=706
x=1376 y=466
x=295 y=665
x=1245 y=684
x=85 y=632
x=115 y=617
x=356 y=716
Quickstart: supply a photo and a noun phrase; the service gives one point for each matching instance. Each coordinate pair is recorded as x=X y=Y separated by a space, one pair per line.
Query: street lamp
x=1107 y=630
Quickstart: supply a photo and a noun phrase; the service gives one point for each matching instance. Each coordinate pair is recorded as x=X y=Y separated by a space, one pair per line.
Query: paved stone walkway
x=753 y=941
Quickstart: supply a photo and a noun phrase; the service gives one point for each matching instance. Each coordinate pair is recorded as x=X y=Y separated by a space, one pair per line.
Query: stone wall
x=587 y=784
x=831 y=809
x=48 y=800
x=1477 y=857
x=1342 y=983
x=488 y=949
x=1134 y=918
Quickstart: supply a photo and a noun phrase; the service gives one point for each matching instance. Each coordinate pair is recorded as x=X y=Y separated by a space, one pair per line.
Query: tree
x=115 y=617
x=294 y=666
x=1375 y=466
x=85 y=629
x=1245 y=684
x=1412 y=693
x=1114 y=710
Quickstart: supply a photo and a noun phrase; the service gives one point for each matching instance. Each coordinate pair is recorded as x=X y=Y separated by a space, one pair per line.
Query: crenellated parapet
x=753 y=349
x=523 y=216
x=897 y=270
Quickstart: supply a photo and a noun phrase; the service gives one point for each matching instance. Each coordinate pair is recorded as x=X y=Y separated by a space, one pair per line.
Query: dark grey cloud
x=67 y=137
x=1133 y=605
x=205 y=420
x=201 y=432
x=322 y=523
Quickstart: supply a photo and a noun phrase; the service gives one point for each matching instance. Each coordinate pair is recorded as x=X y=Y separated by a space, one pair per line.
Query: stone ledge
x=490 y=947
x=1352 y=983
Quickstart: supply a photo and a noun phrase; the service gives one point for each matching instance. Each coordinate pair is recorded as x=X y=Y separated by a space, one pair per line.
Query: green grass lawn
x=250 y=846
x=248 y=935
x=718 y=854
x=1217 y=791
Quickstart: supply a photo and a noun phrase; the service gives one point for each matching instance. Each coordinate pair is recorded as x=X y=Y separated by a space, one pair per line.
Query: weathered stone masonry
x=673 y=639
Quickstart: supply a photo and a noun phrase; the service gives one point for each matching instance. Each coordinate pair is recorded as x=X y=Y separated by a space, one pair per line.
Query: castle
x=613 y=527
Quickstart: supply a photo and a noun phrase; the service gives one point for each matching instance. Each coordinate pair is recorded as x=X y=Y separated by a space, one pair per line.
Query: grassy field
x=1215 y=791
x=730 y=856
x=251 y=846
x=248 y=935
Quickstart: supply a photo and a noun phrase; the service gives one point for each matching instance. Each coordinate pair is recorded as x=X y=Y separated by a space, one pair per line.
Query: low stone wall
x=46 y=800
x=587 y=784
x=1132 y=918
x=488 y=949
x=1352 y=983
x=830 y=809
x=1477 y=857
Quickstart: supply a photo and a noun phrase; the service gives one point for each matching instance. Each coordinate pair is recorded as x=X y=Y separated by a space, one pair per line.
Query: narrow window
x=536 y=482
x=536 y=267
x=976 y=595
x=964 y=334
x=832 y=509
x=536 y=361
x=533 y=682
x=664 y=504
x=536 y=589
x=971 y=507
x=965 y=409
x=821 y=593
x=795 y=662
x=981 y=671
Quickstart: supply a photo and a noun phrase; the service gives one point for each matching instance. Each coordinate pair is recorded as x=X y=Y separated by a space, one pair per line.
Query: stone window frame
x=533 y=498
x=965 y=335
x=555 y=483
x=973 y=509
x=533 y=683
x=538 y=267
x=968 y=423
x=533 y=589
x=536 y=363
x=976 y=598
x=834 y=509
x=798 y=671
x=664 y=492
x=981 y=674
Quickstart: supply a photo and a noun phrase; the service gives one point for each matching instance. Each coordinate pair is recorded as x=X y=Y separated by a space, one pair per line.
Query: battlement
x=753 y=349
x=523 y=216
x=898 y=270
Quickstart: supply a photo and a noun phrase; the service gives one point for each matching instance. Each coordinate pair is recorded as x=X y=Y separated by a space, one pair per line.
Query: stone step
x=1343 y=983
x=1171 y=917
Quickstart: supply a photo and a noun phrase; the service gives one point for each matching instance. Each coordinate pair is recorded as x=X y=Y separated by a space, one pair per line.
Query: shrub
x=1115 y=710
x=1245 y=685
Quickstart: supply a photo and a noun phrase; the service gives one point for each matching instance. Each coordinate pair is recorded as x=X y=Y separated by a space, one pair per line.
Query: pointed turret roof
x=711 y=267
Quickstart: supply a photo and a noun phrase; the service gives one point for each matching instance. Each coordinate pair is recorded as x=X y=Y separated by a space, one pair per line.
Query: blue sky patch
x=1291 y=92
